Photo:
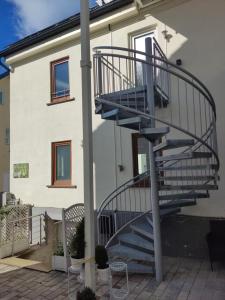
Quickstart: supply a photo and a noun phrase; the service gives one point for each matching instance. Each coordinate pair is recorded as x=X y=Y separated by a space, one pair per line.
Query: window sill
x=62 y=100
x=61 y=186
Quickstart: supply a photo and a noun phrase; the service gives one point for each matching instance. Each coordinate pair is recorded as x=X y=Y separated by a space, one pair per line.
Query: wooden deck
x=184 y=279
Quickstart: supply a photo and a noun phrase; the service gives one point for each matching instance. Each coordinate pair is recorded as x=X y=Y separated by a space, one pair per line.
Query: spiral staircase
x=174 y=111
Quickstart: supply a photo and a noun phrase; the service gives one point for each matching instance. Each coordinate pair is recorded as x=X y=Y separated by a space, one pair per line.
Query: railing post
x=13 y=238
x=153 y=177
x=40 y=230
x=99 y=73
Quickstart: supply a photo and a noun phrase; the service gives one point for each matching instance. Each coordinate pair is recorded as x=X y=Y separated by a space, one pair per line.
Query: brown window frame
x=55 y=182
x=58 y=99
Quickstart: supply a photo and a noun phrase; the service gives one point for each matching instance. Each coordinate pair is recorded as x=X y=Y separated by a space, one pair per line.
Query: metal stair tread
x=185 y=196
x=168 y=211
x=142 y=231
x=187 y=178
x=188 y=187
x=185 y=155
x=178 y=203
x=171 y=144
x=133 y=122
x=136 y=240
x=154 y=133
x=187 y=167
x=133 y=254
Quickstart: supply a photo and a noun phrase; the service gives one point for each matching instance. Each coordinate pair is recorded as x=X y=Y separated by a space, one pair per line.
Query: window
x=1 y=98
x=140 y=147
x=60 y=87
x=138 y=43
x=7 y=136
x=61 y=163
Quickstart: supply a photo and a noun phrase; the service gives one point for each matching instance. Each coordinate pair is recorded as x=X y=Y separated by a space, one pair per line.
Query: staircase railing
x=184 y=104
x=191 y=108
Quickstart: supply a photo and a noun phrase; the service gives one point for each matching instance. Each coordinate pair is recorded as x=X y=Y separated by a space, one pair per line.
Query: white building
x=46 y=101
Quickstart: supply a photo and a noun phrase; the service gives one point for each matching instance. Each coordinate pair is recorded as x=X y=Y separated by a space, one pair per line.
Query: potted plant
x=77 y=247
x=101 y=259
x=86 y=294
x=58 y=259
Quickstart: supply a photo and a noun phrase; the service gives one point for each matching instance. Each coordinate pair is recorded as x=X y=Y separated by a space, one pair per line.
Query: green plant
x=77 y=245
x=101 y=257
x=86 y=294
x=4 y=212
x=59 y=250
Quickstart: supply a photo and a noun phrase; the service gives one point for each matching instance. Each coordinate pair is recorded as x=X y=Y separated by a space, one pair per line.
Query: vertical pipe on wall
x=88 y=145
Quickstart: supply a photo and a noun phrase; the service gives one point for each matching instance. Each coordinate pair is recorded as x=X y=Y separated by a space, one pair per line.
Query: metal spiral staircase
x=175 y=112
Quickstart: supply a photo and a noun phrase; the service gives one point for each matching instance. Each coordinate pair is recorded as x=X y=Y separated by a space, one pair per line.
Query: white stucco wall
x=197 y=38
x=4 y=123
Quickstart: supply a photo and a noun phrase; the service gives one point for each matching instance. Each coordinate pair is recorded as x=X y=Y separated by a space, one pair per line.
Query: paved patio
x=184 y=279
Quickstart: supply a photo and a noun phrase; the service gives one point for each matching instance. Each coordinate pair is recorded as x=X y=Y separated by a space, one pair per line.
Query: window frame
x=58 y=99
x=55 y=182
x=145 y=183
x=2 y=102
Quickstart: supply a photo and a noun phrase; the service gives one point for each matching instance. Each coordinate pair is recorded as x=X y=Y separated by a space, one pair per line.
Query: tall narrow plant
x=77 y=245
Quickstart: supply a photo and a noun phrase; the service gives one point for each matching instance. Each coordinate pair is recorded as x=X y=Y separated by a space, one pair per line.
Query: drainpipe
x=87 y=146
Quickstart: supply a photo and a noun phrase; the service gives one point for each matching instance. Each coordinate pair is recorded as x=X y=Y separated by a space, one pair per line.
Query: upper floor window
x=60 y=87
x=61 y=164
x=1 y=98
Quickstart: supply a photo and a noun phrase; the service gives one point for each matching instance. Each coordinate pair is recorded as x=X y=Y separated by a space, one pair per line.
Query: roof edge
x=61 y=27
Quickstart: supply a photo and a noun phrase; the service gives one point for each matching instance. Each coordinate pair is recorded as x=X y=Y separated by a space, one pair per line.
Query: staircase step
x=178 y=203
x=169 y=211
x=188 y=167
x=135 y=240
x=149 y=220
x=171 y=144
x=122 y=251
x=188 y=187
x=185 y=196
x=133 y=123
x=116 y=114
x=186 y=178
x=145 y=232
x=187 y=155
x=154 y=133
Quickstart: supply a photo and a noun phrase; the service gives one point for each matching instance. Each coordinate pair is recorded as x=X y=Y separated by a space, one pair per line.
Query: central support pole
x=153 y=176
x=87 y=146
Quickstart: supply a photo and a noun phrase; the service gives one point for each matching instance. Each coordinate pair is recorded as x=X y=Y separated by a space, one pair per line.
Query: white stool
x=116 y=293
x=73 y=283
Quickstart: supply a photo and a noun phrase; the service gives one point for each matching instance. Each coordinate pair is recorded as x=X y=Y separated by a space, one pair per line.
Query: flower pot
x=103 y=274
x=76 y=263
x=58 y=263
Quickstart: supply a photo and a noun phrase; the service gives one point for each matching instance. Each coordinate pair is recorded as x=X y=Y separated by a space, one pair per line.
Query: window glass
x=63 y=162
x=143 y=155
x=61 y=79
x=139 y=44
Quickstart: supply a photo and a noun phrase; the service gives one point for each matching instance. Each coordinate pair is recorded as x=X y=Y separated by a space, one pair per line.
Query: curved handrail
x=167 y=62
x=209 y=97
x=165 y=123
x=204 y=136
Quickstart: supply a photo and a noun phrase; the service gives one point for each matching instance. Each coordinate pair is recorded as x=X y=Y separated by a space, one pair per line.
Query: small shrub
x=59 y=250
x=86 y=294
x=101 y=257
x=77 y=245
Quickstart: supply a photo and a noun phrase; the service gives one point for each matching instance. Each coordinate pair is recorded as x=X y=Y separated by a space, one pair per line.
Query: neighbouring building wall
x=196 y=29
x=4 y=134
